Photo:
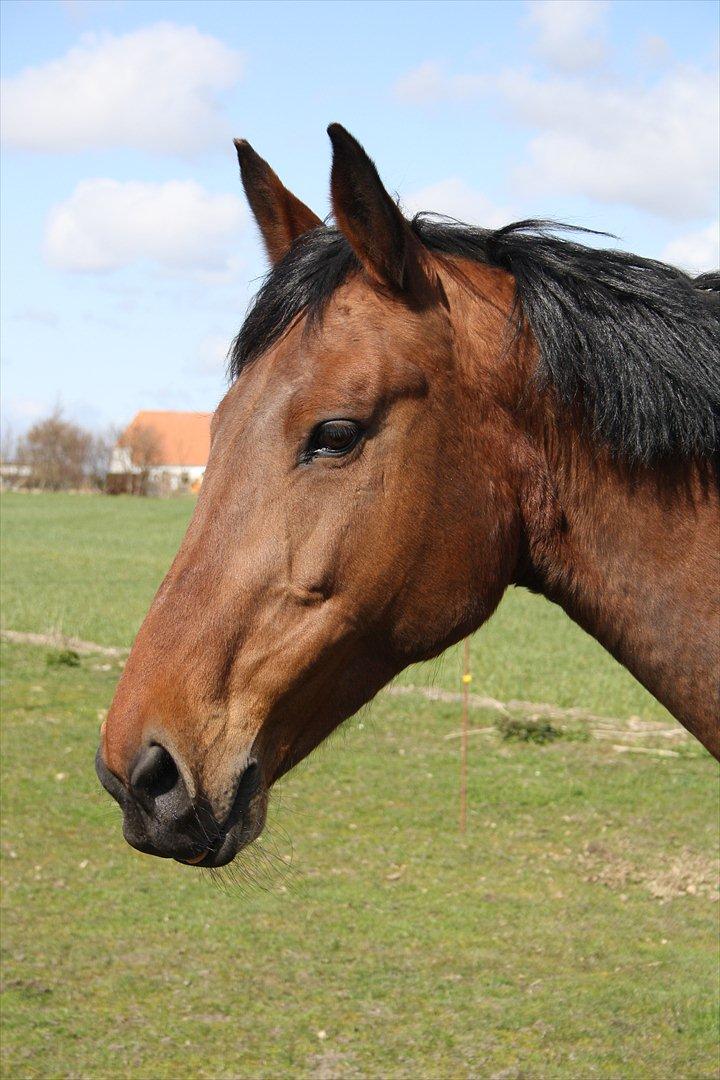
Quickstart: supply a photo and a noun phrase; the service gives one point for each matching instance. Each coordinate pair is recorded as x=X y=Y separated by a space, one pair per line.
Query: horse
x=421 y=413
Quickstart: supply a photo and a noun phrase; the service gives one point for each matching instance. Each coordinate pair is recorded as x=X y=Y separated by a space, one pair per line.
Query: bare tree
x=143 y=446
x=57 y=452
x=100 y=456
x=8 y=444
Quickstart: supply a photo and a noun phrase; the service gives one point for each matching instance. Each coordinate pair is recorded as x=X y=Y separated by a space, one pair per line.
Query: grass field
x=571 y=933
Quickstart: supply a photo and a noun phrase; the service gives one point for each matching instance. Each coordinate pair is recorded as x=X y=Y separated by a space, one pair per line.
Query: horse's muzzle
x=160 y=817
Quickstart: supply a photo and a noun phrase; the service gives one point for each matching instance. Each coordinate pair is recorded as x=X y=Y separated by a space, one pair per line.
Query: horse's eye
x=333 y=438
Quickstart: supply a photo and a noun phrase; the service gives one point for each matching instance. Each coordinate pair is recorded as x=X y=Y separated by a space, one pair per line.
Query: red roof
x=184 y=437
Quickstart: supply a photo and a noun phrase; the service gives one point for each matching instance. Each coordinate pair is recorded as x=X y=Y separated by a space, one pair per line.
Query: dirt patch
x=65 y=644
x=576 y=722
x=332 y=1065
x=688 y=874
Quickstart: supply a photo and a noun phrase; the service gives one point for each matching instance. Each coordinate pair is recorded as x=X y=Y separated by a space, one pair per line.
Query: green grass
x=87 y=565
x=570 y=933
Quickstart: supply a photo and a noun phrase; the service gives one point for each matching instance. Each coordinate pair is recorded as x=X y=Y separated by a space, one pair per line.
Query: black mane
x=634 y=342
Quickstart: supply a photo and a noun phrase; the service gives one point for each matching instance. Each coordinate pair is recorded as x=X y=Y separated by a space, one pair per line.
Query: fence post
x=466 y=680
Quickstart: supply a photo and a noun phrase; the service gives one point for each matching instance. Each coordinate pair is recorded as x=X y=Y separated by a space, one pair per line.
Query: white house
x=179 y=442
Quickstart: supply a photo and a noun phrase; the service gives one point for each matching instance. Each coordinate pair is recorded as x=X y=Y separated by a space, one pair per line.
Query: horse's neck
x=635 y=562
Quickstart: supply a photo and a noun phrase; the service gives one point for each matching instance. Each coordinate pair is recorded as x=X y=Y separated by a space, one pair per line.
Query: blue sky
x=128 y=254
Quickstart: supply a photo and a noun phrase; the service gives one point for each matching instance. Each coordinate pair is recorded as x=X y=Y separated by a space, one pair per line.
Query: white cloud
x=651 y=144
x=569 y=33
x=430 y=83
x=654 y=147
x=696 y=251
x=457 y=199
x=108 y=224
x=154 y=89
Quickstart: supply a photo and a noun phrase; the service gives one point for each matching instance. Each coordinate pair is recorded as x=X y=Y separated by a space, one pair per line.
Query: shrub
x=527 y=730
x=63 y=658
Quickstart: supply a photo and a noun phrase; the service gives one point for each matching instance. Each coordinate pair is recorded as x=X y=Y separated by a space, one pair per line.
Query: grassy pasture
x=571 y=933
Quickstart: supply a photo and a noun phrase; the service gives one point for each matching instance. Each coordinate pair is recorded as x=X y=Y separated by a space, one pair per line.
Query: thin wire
x=466 y=680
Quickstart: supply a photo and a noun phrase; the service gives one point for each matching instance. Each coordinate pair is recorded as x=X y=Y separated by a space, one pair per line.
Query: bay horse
x=421 y=413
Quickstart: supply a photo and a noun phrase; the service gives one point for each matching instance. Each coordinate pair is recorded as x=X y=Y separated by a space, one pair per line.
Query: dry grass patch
x=688 y=874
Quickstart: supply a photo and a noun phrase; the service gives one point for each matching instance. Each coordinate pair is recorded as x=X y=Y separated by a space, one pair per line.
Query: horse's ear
x=370 y=219
x=281 y=217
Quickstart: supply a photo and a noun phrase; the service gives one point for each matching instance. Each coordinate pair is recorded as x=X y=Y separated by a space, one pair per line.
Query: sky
x=128 y=254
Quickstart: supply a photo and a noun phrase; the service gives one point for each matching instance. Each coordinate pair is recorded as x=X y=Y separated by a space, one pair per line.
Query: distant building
x=14 y=475
x=162 y=452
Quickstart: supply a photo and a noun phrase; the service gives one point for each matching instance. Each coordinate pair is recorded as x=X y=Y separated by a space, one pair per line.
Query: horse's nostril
x=154 y=774
x=246 y=789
